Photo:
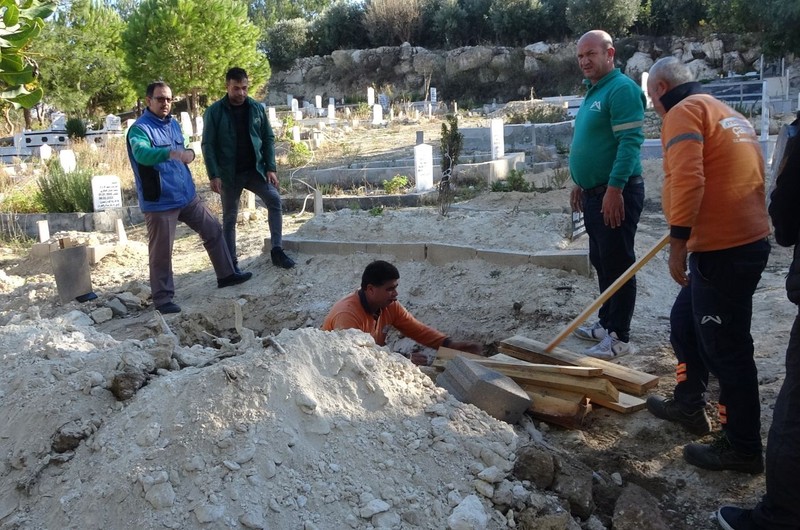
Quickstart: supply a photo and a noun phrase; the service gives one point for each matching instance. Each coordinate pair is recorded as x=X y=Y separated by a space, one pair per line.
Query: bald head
x=595 y=55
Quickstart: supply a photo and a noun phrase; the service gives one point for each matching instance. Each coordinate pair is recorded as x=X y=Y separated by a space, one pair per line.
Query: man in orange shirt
x=374 y=308
x=714 y=201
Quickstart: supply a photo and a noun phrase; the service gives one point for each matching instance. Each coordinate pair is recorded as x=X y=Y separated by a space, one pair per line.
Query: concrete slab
x=71 y=270
x=568 y=260
x=42 y=250
x=439 y=254
x=496 y=394
x=98 y=252
x=508 y=258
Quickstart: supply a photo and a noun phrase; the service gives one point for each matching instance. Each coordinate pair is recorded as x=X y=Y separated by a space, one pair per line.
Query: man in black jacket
x=779 y=509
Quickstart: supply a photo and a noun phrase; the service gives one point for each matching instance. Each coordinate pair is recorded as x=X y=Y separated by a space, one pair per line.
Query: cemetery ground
x=467 y=298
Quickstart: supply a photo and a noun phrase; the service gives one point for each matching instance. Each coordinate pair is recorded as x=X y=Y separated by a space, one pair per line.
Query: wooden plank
x=626 y=403
x=523 y=367
x=560 y=407
x=624 y=378
x=446 y=354
x=593 y=387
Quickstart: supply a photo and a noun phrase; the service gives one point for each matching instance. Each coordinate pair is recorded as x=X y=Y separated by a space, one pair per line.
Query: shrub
x=286 y=41
x=339 y=26
x=65 y=192
x=452 y=142
x=515 y=181
x=614 y=16
x=540 y=113
x=517 y=22
x=76 y=128
x=299 y=154
x=396 y=185
x=22 y=200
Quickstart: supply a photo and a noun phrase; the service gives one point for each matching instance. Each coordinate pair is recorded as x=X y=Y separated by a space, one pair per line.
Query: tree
x=517 y=22
x=19 y=26
x=286 y=41
x=265 y=13
x=612 y=16
x=392 y=22
x=91 y=78
x=339 y=26
x=190 y=44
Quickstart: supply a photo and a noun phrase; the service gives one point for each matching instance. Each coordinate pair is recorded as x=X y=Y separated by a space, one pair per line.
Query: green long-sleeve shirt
x=608 y=133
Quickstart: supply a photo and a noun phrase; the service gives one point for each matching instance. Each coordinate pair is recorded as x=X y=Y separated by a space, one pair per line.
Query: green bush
x=614 y=16
x=515 y=181
x=396 y=185
x=65 y=192
x=540 y=113
x=299 y=154
x=76 y=128
x=22 y=200
x=339 y=26
x=285 y=41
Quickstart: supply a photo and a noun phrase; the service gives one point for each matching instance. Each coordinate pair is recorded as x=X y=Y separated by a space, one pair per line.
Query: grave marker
x=199 y=124
x=67 y=159
x=318 y=101
x=106 y=192
x=370 y=96
x=45 y=152
x=296 y=133
x=498 y=141
x=331 y=113
x=272 y=116
x=423 y=167
x=186 y=124
x=377 y=115
x=112 y=123
x=289 y=99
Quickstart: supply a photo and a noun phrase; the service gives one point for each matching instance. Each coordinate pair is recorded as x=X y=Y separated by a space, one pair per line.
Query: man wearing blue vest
x=167 y=195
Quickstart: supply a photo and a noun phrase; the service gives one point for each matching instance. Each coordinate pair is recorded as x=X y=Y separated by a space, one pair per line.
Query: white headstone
x=271 y=115
x=112 y=123
x=129 y=122
x=122 y=237
x=294 y=104
x=106 y=192
x=289 y=99
x=67 y=159
x=44 y=230
x=45 y=152
x=370 y=96
x=198 y=126
x=496 y=130
x=295 y=133
x=318 y=101
x=317 y=202
x=186 y=124
x=331 y=113
x=645 y=76
x=433 y=95
x=423 y=167
x=377 y=115
x=298 y=115
x=332 y=101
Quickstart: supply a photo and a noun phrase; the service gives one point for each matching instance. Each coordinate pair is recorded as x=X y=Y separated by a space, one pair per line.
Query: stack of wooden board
x=562 y=384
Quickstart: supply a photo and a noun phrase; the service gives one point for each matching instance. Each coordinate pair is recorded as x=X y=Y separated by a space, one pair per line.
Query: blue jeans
x=611 y=253
x=779 y=509
x=710 y=332
x=231 y=194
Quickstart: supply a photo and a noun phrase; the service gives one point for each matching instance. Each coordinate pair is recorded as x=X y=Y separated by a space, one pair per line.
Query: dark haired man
x=239 y=153
x=167 y=195
x=374 y=308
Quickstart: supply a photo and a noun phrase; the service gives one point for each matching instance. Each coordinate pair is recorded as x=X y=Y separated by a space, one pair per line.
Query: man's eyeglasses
x=163 y=99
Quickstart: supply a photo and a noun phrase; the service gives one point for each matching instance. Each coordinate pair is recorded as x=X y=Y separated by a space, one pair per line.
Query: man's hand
x=272 y=177
x=613 y=208
x=576 y=199
x=185 y=156
x=677 y=261
x=469 y=347
x=216 y=185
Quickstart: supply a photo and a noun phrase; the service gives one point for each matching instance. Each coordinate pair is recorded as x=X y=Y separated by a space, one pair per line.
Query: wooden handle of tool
x=608 y=293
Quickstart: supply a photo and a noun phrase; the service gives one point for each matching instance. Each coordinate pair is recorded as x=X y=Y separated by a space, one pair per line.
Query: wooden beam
x=626 y=404
x=523 y=367
x=560 y=407
x=624 y=378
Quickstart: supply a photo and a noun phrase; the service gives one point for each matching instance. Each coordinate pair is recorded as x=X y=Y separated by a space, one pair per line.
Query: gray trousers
x=161 y=238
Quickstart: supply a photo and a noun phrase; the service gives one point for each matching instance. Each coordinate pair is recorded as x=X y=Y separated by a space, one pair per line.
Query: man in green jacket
x=609 y=190
x=239 y=153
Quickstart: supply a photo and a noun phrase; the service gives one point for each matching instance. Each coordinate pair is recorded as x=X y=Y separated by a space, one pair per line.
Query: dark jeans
x=611 y=253
x=161 y=238
x=231 y=194
x=710 y=332
x=780 y=509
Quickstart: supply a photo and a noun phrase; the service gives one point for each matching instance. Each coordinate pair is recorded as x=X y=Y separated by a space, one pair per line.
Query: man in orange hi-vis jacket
x=714 y=201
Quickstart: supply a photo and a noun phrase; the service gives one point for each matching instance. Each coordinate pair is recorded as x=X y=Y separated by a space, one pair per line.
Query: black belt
x=599 y=190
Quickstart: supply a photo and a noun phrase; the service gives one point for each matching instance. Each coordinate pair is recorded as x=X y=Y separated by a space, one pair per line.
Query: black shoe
x=696 y=422
x=234 y=279
x=167 y=308
x=720 y=455
x=280 y=258
x=733 y=518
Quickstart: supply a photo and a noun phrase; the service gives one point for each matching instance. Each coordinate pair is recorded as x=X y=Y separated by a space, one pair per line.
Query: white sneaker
x=609 y=348
x=595 y=332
